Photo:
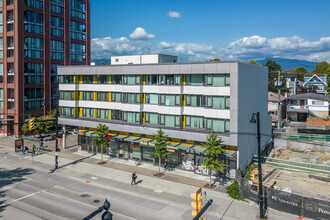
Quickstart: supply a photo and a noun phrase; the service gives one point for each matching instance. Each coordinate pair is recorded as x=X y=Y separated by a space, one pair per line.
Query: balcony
x=10 y=20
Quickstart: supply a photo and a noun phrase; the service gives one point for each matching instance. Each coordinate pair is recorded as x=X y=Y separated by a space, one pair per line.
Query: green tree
x=213 y=60
x=273 y=68
x=42 y=127
x=102 y=130
x=321 y=68
x=160 y=146
x=214 y=149
x=254 y=62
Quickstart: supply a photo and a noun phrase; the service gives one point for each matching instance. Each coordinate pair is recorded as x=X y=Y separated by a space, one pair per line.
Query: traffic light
x=31 y=124
x=197 y=204
x=58 y=142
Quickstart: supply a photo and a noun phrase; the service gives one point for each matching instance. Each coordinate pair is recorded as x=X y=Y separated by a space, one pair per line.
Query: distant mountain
x=288 y=64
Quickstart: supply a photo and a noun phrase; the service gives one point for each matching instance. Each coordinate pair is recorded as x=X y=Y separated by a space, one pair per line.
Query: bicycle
x=138 y=162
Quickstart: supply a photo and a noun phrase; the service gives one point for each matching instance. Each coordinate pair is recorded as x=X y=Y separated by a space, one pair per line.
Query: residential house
x=301 y=106
x=273 y=106
x=317 y=83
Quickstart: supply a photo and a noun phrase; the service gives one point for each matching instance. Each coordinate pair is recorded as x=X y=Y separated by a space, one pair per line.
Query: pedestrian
x=165 y=164
x=34 y=150
x=134 y=176
x=41 y=144
x=26 y=149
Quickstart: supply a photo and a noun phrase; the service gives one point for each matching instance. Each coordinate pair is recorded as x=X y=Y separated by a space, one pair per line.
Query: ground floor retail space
x=181 y=155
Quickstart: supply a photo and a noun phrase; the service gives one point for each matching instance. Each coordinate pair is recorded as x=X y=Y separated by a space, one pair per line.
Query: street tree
x=160 y=146
x=254 y=62
x=102 y=131
x=43 y=127
x=214 y=149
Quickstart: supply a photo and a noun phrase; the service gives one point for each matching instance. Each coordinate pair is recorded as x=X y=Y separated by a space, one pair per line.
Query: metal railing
x=302 y=137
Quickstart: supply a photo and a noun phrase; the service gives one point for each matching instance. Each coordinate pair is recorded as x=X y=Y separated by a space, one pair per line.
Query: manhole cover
x=96 y=201
x=84 y=195
x=158 y=191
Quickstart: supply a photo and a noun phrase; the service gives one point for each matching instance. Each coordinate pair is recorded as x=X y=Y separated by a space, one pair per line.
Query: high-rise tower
x=36 y=36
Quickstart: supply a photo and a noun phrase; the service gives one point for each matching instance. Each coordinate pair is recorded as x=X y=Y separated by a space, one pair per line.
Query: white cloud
x=140 y=34
x=174 y=14
x=246 y=48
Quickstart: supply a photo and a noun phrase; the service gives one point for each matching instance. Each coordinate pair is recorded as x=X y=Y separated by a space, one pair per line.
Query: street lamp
x=256 y=119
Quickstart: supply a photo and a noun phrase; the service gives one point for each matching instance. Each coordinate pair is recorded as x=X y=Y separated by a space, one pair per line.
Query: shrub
x=233 y=191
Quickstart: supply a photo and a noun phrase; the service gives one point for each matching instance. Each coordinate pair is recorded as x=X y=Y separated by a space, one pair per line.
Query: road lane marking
x=24 y=197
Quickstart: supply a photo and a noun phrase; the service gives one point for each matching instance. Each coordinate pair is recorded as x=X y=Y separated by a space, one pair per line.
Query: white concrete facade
x=143 y=59
x=247 y=92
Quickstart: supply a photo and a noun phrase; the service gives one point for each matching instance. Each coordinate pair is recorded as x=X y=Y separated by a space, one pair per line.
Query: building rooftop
x=310 y=96
x=273 y=97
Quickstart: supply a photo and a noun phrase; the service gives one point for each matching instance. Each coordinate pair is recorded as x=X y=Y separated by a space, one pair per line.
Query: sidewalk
x=172 y=188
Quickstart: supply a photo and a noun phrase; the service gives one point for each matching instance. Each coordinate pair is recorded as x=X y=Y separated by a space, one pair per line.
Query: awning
x=229 y=154
x=118 y=137
x=132 y=139
x=146 y=139
x=183 y=147
x=199 y=149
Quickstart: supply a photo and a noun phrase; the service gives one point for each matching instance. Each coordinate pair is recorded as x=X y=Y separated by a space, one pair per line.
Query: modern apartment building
x=187 y=100
x=37 y=36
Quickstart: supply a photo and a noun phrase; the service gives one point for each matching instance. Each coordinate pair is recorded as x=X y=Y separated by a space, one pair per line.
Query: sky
x=197 y=30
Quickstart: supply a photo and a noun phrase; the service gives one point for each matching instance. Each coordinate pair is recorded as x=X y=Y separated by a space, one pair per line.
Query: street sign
x=56 y=153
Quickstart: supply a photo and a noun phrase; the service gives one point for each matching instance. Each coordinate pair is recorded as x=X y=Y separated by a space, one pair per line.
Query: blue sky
x=196 y=30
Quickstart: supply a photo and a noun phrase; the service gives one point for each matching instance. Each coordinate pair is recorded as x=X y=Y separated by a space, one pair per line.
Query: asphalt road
x=29 y=193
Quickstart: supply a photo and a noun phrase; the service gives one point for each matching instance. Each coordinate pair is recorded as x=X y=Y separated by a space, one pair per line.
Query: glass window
x=57 y=50
x=131 y=98
x=188 y=79
x=57 y=26
x=66 y=95
x=170 y=120
x=1 y=93
x=88 y=95
x=227 y=128
x=1 y=48
x=196 y=100
x=56 y=6
x=227 y=102
x=227 y=81
x=77 y=30
x=1 y=72
x=152 y=99
x=196 y=79
x=116 y=79
x=152 y=79
x=33 y=47
x=78 y=52
x=218 y=80
x=116 y=97
x=77 y=9
x=195 y=122
x=102 y=113
x=218 y=125
x=33 y=22
x=169 y=100
x=102 y=96
x=33 y=3
x=152 y=118
x=116 y=114
x=1 y=22
x=132 y=117
x=218 y=102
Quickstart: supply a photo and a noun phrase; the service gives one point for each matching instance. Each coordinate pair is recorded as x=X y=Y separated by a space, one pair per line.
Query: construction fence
x=302 y=137
x=284 y=201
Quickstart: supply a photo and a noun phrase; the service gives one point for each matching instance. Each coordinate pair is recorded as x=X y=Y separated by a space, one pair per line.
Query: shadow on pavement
x=138 y=182
x=72 y=163
x=8 y=177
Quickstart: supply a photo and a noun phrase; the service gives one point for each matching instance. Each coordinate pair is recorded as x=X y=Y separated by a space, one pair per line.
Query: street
x=27 y=193
x=79 y=187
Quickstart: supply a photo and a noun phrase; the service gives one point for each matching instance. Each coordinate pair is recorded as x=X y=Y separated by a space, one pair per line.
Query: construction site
x=299 y=166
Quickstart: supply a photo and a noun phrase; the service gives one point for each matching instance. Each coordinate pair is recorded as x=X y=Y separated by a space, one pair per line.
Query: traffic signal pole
x=56 y=142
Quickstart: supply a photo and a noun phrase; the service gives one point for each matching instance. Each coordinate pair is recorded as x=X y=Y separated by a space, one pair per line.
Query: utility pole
x=261 y=203
x=279 y=101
